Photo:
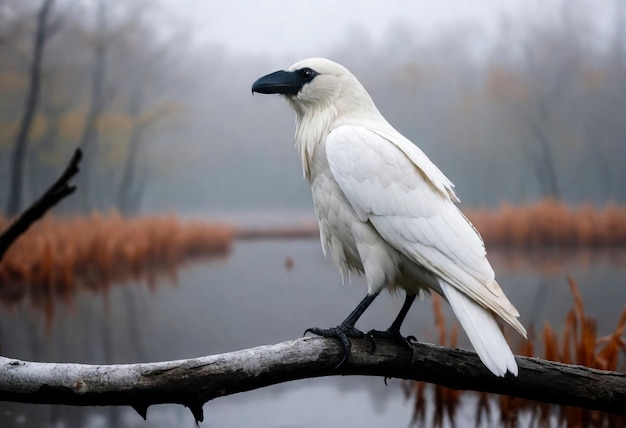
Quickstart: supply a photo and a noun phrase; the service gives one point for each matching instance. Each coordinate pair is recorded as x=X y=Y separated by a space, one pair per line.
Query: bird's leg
x=346 y=329
x=393 y=332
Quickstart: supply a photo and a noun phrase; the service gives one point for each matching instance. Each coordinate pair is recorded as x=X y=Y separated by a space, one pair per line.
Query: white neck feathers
x=313 y=124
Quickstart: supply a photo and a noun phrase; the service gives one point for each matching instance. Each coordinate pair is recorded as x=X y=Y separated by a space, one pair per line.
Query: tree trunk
x=89 y=140
x=18 y=157
x=127 y=193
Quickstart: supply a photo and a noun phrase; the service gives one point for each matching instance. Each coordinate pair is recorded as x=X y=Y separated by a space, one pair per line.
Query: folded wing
x=391 y=183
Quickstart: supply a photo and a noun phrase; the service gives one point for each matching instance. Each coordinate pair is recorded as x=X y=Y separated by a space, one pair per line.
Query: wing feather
x=392 y=183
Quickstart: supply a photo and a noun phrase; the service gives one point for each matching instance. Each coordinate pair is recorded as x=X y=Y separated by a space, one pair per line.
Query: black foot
x=342 y=332
x=395 y=336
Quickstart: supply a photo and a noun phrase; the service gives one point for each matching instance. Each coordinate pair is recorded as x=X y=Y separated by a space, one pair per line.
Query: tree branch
x=59 y=190
x=195 y=381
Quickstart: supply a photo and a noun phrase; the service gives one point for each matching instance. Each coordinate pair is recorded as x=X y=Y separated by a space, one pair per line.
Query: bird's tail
x=483 y=331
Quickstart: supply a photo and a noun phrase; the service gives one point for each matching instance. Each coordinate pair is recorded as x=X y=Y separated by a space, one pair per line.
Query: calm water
x=251 y=299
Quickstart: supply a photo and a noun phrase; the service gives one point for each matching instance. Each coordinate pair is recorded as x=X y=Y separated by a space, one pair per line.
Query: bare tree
x=89 y=140
x=128 y=192
x=16 y=179
x=547 y=85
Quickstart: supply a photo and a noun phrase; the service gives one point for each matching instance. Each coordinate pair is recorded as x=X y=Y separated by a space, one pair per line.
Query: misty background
x=522 y=103
x=514 y=100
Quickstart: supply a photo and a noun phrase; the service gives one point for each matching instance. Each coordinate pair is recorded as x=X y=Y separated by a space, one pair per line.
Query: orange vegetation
x=541 y=225
x=58 y=256
x=546 y=236
x=550 y=223
x=579 y=344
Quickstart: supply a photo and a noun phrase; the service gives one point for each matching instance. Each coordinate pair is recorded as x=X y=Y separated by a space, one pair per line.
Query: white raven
x=384 y=209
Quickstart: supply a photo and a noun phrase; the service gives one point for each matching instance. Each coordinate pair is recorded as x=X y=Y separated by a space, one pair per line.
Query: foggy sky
x=307 y=28
x=467 y=82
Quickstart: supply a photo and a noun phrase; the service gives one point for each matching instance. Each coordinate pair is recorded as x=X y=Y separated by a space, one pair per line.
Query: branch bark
x=195 y=381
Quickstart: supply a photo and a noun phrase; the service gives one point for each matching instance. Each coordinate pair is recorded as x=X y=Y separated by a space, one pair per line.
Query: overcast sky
x=306 y=27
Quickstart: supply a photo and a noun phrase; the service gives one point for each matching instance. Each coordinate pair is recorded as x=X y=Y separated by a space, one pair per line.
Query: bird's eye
x=307 y=74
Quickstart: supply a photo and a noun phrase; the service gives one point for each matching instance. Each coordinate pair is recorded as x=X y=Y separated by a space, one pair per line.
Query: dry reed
x=550 y=223
x=58 y=256
x=579 y=344
x=546 y=224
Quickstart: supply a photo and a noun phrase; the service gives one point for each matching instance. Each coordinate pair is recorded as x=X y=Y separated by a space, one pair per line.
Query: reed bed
x=579 y=344
x=554 y=261
x=544 y=224
x=551 y=224
x=59 y=256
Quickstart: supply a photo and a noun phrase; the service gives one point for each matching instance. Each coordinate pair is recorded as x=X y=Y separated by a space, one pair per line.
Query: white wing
x=392 y=184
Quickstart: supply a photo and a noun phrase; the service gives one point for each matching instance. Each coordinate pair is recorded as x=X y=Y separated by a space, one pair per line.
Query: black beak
x=279 y=82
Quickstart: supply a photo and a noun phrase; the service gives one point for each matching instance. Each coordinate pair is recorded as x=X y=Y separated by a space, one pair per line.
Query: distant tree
x=89 y=140
x=143 y=112
x=16 y=178
x=129 y=191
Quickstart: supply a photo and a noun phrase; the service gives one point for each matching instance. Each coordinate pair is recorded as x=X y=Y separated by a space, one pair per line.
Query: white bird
x=384 y=209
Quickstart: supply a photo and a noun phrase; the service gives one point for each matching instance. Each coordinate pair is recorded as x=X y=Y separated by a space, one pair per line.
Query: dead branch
x=195 y=381
x=59 y=190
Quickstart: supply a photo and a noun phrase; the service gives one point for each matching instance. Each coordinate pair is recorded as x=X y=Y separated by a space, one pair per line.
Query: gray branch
x=193 y=382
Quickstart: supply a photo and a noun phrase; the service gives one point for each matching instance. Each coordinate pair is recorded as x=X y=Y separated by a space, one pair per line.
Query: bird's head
x=314 y=84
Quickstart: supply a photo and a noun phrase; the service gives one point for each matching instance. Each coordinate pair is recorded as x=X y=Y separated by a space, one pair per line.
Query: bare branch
x=195 y=381
x=59 y=190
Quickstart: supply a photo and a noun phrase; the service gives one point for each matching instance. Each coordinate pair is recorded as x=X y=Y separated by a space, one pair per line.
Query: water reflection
x=252 y=298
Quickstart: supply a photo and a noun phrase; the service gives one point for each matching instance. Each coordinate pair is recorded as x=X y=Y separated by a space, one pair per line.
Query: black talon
x=393 y=332
x=342 y=332
x=346 y=329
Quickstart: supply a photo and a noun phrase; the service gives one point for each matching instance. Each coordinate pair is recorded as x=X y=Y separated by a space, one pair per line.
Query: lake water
x=252 y=298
